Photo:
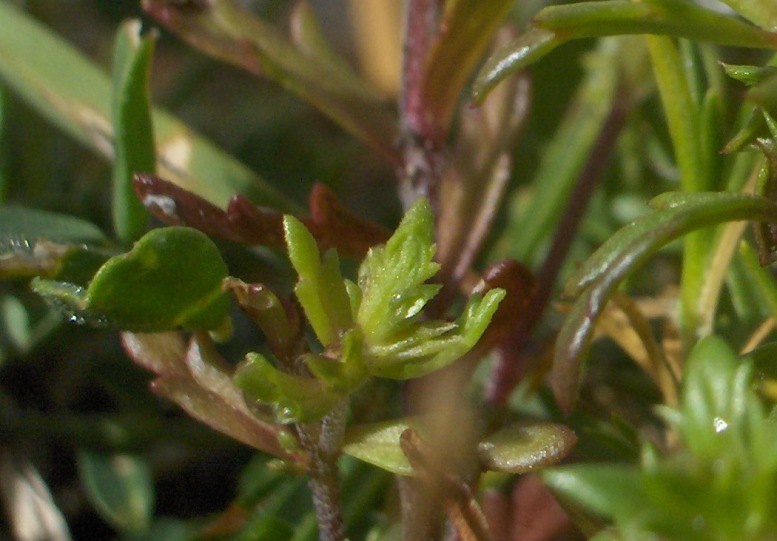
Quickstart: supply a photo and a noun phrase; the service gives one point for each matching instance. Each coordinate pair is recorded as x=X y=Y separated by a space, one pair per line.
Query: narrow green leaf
x=760 y=12
x=522 y=52
x=749 y=75
x=628 y=249
x=556 y=24
x=321 y=288
x=120 y=487
x=468 y=30
x=73 y=93
x=134 y=133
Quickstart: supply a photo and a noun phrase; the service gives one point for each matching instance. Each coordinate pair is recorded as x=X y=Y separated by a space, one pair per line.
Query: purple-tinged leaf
x=200 y=381
x=331 y=223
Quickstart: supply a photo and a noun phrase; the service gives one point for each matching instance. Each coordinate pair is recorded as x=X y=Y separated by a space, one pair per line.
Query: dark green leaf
x=120 y=487
x=628 y=249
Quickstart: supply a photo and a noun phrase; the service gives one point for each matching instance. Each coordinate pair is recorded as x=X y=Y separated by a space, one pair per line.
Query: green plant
x=523 y=143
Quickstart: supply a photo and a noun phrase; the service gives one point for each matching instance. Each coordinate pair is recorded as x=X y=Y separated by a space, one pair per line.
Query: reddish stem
x=421 y=144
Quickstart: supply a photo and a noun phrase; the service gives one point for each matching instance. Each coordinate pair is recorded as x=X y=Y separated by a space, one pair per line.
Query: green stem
x=682 y=114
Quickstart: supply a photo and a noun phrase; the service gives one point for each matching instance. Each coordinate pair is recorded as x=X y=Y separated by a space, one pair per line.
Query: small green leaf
x=721 y=415
x=749 y=75
x=171 y=278
x=292 y=398
x=525 y=447
x=392 y=277
x=321 y=288
x=134 y=149
x=378 y=444
x=120 y=487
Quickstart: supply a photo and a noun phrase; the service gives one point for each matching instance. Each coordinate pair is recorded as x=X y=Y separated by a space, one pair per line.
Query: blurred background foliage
x=73 y=400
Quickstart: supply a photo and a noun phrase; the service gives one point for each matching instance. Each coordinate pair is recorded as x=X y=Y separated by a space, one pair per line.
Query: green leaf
x=293 y=398
x=73 y=93
x=392 y=277
x=378 y=444
x=749 y=75
x=557 y=24
x=134 y=133
x=468 y=30
x=525 y=447
x=120 y=487
x=321 y=288
x=629 y=248
x=171 y=278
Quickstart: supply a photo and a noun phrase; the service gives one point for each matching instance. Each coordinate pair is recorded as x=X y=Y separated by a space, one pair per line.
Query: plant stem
x=421 y=144
x=507 y=369
x=323 y=441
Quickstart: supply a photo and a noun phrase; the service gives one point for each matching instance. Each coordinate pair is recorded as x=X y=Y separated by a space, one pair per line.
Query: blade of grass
x=73 y=93
x=682 y=115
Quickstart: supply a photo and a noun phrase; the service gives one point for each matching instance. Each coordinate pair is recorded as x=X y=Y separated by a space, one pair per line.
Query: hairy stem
x=421 y=144
x=323 y=441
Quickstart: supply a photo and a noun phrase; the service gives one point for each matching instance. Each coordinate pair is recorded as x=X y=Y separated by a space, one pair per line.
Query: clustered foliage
x=528 y=353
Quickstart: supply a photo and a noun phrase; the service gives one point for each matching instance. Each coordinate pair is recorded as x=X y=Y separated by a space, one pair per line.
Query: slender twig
x=506 y=371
